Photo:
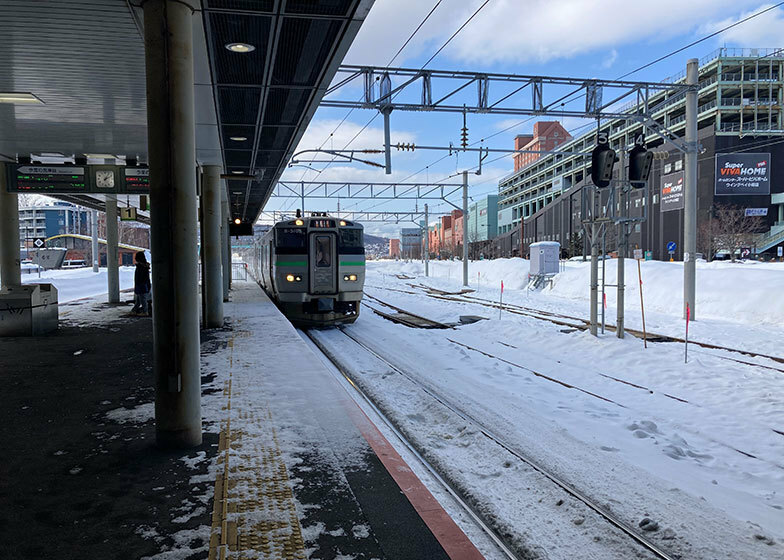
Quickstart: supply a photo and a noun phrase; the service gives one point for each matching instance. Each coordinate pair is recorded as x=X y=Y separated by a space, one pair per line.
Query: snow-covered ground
x=78 y=283
x=698 y=447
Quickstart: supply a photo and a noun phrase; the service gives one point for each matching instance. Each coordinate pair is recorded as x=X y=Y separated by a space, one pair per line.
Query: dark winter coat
x=141 y=279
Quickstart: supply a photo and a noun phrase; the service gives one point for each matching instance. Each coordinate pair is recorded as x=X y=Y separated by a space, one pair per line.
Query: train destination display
x=136 y=179
x=47 y=178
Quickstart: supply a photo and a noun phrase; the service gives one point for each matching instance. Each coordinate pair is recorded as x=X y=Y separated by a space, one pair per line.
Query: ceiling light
x=240 y=47
x=20 y=98
x=237 y=172
x=237 y=192
x=238 y=138
x=237 y=221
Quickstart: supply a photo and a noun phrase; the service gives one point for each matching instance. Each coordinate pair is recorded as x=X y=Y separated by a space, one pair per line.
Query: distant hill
x=376 y=246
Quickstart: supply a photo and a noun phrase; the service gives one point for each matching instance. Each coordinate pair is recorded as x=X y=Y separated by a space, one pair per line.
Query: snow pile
x=77 y=283
x=743 y=292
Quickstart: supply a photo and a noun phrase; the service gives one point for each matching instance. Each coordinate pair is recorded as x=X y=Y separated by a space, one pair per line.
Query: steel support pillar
x=690 y=193
x=427 y=243
x=594 y=278
x=225 y=243
x=168 y=46
x=622 y=250
x=465 y=228
x=112 y=242
x=95 y=253
x=211 y=253
x=10 y=262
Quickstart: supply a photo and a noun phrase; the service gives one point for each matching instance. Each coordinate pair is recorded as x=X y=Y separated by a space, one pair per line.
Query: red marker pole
x=501 y=301
x=642 y=307
x=686 y=346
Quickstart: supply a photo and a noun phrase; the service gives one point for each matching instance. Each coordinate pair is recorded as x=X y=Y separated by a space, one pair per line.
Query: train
x=313 y=268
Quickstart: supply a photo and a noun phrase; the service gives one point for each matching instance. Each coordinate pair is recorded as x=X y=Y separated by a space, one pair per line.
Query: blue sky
x=579 y=38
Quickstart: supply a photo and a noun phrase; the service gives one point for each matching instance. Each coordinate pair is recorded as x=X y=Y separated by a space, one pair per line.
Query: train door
x=323 y=268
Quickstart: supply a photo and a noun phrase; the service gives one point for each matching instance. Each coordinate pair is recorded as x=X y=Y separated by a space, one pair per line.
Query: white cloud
x=390 y=23
x=766 y=30
x=544 y=30
x=610 y=60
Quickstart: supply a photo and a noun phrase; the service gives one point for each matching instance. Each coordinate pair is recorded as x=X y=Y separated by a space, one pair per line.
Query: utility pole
x=594 y=265
x=690 y=194
x=465 y=223
x=94 y=231
x=427 y=243
x=623 y=196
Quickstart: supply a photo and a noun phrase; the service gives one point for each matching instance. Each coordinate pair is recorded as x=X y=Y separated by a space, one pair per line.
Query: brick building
x=547 y=135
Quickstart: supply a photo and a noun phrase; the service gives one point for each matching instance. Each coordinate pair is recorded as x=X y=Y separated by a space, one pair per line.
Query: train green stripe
x=352 y=263
x=291 y=263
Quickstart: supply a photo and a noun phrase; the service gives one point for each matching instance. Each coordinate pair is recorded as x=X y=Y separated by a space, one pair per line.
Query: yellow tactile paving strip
x=254 y=514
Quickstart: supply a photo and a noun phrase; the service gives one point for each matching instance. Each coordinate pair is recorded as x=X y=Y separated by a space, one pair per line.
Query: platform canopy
x=73 y=81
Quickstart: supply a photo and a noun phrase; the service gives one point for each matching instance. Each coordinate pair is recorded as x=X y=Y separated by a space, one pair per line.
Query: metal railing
x=239 y=271
x=765 y=241
x=735 y=127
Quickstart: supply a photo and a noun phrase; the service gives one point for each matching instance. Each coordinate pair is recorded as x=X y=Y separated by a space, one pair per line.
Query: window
x=323 y=252
x=290 y=240
x=351 y=239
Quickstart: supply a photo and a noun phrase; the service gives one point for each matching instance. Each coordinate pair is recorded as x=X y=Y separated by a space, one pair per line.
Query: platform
x=290 y=467
x=302 y=470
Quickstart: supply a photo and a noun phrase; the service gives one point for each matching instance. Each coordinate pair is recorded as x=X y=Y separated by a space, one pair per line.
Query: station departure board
x=47 y=178
x=70 y=178
x=136 y=180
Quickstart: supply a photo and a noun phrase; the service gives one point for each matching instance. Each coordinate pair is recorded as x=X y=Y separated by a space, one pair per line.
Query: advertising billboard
x=672 y=191
x=742 y=174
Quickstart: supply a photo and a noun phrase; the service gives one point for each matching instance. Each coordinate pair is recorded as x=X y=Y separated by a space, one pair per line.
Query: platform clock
x=105 y=177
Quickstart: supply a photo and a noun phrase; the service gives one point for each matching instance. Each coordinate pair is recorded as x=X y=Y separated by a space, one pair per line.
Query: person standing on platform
x=141 y=285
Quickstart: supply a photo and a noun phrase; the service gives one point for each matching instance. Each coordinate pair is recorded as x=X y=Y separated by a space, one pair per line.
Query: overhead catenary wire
x=647 y=65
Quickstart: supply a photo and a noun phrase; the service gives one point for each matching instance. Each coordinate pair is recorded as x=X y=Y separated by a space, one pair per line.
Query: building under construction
x=741 y=135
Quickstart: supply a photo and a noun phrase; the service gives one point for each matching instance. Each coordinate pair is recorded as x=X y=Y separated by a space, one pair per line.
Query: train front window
x=352 y=241
x=323 y=251
x=290 y=239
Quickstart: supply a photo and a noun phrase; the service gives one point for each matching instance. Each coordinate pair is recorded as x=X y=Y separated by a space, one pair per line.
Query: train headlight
x=298 y=222
x=298 y=278
x=342 y=222
x=290 y=277
x=352 y=277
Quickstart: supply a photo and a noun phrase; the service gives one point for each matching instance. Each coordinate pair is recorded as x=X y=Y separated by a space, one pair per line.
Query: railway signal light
x=602 y=161
x=640 y=160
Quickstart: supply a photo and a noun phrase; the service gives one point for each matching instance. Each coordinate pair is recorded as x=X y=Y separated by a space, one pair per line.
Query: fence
x=239 y=271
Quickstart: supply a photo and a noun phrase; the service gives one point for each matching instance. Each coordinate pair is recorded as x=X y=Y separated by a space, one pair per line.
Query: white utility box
x=544 y=258
x=28 y=310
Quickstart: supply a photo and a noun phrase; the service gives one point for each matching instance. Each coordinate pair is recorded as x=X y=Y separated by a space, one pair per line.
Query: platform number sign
x=780 y=251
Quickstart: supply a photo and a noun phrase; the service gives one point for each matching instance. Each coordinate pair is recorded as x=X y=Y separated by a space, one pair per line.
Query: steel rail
x=558 y=481
x=472 y=513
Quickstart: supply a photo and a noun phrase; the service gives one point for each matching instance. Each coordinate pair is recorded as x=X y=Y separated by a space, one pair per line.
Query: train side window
x=323 y=251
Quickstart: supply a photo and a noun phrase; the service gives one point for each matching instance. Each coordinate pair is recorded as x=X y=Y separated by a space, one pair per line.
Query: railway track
x=402 y=317
x=611 y=519
x=569 y=321
x=504 y=549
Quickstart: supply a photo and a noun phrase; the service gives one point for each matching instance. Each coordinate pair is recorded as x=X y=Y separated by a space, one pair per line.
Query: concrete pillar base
x=179 y=439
